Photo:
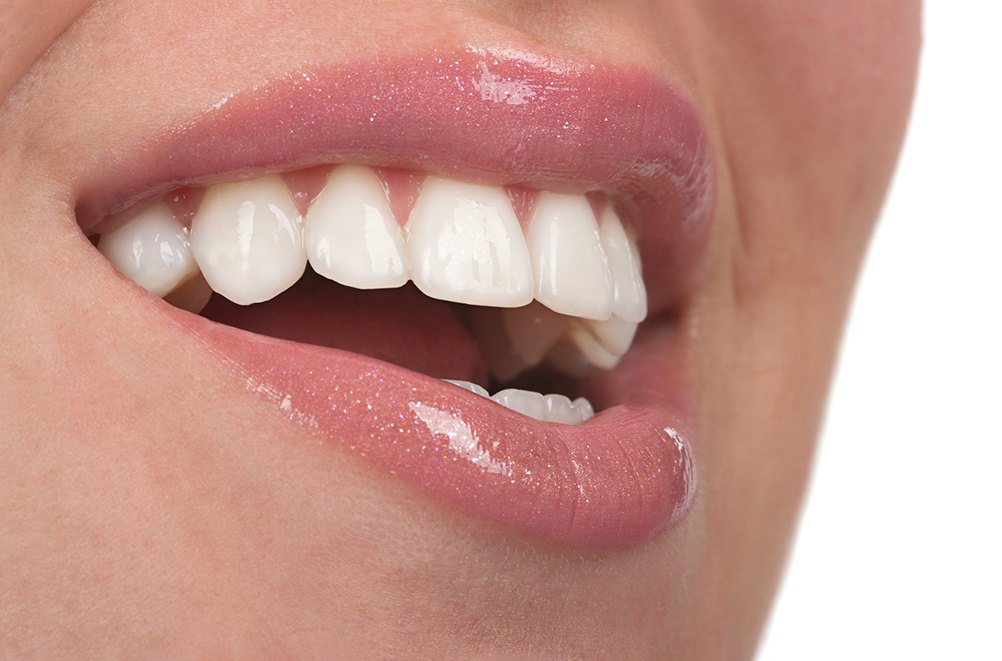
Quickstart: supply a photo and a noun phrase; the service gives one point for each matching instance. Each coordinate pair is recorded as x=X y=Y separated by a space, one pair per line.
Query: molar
x=247 y=239
x=466 y=245
x=351 y=234
x=152 y=250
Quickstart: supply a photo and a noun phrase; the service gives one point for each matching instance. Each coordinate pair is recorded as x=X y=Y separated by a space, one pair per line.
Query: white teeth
x=472 y=387
x=463 y=243
x=561 y=409
x=533 y=330
x=592 y=349
x=351 y=234
x=151 y=250
x=525 y=402
x=615 y=334
x=629 y=291
x=247 y=239
x=466 y=245
x=572 y=275
x=549 y=408
x=502 y=359
x=584 y=407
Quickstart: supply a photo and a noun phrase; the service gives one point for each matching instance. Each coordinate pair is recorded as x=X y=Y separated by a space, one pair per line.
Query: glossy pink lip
x=511 y=118
x=619 y=479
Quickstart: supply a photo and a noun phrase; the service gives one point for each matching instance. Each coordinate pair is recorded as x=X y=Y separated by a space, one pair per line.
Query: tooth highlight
x=152 y=250
x=614 y=334
x=561 y=409
x=568 y=290
x=629 y=292
x=467 y=385
x=532 y=331
x=247 y=239
x=569 y=264
x=525 y=402
x=351 y=234
x=466 y=245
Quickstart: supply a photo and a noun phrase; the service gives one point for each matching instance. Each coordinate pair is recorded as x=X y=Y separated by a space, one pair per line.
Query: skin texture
x=149 y=508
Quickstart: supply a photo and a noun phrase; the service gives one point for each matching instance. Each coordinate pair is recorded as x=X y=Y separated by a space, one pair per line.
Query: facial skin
x=151 y=508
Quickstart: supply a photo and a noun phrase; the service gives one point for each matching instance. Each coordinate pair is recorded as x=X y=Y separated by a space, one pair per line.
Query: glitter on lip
x=623 y=477
x=544 y=122
x=619 y=479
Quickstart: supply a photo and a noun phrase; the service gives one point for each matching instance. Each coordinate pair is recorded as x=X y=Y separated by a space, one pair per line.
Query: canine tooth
x=467 y=385
x=585 y=408
x=629 y=290
x=592 y=348
x=533 y=330
x=567 y=358
x=615 y=334
x=572 y=275
x=503 y=361
x=465 y=245
x=247 y=238
x=561 y=409
x=192 y=295
x=525 y=402
x=151 y=250
x=351 y=234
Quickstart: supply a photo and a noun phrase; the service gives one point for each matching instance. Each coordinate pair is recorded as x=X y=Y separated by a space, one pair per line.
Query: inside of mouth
x=400 y=326
x=568 y=304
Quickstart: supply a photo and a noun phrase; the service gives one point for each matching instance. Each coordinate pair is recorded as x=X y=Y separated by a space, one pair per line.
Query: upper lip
x=506 y=118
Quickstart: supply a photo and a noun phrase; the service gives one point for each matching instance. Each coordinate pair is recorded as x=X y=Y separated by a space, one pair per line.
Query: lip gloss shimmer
x=502 y=117
x=620 y=478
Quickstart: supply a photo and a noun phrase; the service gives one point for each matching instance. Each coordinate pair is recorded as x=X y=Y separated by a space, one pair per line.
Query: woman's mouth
x=347 y=239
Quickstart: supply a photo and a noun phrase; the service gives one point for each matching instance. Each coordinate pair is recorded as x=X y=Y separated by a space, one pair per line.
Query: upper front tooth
x=247 y=238
x=466 y=246
x=151 y=250
x=629 y=291
x=351 y=234
x=572 y=275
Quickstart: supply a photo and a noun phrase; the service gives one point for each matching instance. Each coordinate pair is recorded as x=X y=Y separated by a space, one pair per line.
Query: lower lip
x=624 y=477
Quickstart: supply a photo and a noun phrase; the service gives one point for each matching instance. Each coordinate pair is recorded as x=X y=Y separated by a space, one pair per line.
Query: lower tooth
x=561 y=409
x=548 y=408
x=525 y=402
x=472 y=387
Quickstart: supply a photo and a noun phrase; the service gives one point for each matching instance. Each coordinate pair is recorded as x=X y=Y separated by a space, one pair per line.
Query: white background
x=899 y=555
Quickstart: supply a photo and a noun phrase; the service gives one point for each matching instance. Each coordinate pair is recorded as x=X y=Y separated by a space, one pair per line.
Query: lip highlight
x=487 y=115
x=506 y=118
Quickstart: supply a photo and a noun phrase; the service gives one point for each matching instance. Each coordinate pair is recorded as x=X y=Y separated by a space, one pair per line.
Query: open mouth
x=452 y=286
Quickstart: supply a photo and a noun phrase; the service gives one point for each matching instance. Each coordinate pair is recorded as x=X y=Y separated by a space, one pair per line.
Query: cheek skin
x=806 y=102
x=810 y=102
x=20 y=47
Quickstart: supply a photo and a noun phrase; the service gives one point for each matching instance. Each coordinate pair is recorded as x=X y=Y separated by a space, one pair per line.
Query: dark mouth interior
x=400 y=326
